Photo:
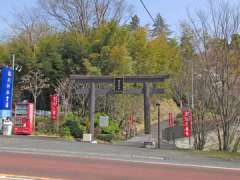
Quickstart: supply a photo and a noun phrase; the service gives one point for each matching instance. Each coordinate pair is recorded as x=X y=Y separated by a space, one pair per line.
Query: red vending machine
x=23 y=118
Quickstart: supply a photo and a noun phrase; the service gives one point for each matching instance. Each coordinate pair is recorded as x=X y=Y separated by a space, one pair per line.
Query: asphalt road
x=90 y=168
x=53 y=158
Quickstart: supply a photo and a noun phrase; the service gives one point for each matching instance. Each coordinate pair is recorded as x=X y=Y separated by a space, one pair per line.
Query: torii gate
x=119 y=83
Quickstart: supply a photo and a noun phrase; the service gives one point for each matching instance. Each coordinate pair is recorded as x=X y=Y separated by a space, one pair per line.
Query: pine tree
x=160 y=27
x=134 y=24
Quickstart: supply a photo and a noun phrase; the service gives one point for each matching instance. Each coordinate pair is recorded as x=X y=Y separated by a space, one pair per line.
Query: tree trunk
x=219 y=139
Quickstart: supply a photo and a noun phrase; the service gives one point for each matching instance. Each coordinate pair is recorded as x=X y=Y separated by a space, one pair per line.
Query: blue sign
x=6 y=91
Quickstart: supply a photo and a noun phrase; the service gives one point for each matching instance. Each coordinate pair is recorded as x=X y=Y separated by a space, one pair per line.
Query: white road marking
x=19 y=177
x=171 y=164
x=110 y=157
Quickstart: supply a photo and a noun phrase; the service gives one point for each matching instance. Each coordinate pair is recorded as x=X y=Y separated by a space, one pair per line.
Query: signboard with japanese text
x=103 y=121
x=118 y=85
x=170 y=120
x=54 y=107
x=187 y=121
x=6 y=91
x=189 y=116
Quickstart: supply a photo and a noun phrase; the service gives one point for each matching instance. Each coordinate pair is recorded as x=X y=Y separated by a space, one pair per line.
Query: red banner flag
x=170 y=120
x=187 y=122
x=54 y=107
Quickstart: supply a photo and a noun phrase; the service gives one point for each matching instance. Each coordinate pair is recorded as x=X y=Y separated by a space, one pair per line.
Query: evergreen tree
x=187 y=50
x=134 y=24
x=160 y=27
x=235 y=42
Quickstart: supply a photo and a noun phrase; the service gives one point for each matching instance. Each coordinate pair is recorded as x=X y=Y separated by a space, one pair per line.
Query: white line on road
x=110 y=157
x=170 y=164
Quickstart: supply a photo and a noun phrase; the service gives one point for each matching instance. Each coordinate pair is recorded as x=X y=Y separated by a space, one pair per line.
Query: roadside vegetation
x=221 y=154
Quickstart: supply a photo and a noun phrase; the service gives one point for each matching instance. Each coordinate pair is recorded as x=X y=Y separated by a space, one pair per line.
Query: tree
x=30 y=26
x=34 y=82
x=64 y=90
x=202 y=103
x=82 y=15
x=109 y=50
x=3 y=53
x=160 y=27
x=49 y=59
x=137 y=47
x=181 y=85
x=134 y=24
x=212 y=34
x=163 y=56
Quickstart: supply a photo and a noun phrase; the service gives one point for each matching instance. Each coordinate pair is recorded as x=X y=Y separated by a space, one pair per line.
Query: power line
x=147 y=10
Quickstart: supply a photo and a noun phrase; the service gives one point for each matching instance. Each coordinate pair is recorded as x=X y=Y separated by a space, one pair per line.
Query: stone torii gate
x=119 y=83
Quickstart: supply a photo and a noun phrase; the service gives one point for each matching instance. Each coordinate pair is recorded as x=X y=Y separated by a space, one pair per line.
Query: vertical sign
x=6 y=92
x=187 y=121
x=118 y=85
x=170 y=120
x=54 y=107
x=30 y=112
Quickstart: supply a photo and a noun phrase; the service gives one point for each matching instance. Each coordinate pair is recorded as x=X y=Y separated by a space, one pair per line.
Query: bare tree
x=81 y=15
x=80 y=101
x=34 y=82
x=202 y=101
x=65 y=91
x=30 y=25
x=213 y=30
x=181 y=83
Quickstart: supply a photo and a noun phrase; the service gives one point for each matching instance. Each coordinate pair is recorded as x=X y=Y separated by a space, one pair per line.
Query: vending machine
x=23 y=120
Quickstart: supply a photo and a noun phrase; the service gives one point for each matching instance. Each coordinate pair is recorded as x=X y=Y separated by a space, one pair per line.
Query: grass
x=220 y=154
x=214 y=154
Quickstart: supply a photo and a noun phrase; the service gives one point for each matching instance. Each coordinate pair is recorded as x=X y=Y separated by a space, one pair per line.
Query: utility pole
x=13 y=69
x=13 y=61
x=192 y=88
x=192 y=107
x=159 y=127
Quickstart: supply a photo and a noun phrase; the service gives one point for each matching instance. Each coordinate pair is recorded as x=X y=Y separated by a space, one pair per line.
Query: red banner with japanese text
x=54 y=107
x=170 y=120
x=187 y=122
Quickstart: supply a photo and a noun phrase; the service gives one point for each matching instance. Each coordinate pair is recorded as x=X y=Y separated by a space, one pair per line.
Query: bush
x=65 y=133
x=70 y=117
x=113 y=128
x=44 y=125
x=76 y=129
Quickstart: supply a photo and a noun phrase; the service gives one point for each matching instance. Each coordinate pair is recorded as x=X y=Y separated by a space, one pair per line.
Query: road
x=90 y=168
x=27 y=156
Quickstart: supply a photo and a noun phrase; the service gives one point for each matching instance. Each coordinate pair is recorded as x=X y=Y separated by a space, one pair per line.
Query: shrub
x=65 y=133
x=112 y=128
x=70 y=117
x=44 y=125
x=76 y=129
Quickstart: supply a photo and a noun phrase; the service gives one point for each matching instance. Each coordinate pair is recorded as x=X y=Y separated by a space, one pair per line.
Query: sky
x=173 y=11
